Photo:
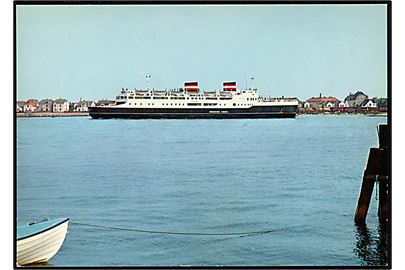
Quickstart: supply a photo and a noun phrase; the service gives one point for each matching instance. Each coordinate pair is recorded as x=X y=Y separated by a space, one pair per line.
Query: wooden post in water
x=384 y=182
x=383 y=206
x=376 y=170
x=367 y=187
x=383 y=135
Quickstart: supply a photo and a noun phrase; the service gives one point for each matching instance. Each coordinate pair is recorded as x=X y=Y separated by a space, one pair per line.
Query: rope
x=167 y=232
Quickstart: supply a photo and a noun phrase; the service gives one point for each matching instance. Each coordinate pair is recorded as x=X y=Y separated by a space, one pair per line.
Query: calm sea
x=299 y=178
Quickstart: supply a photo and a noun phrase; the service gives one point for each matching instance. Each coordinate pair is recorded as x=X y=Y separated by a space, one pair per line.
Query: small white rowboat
x=38 y=242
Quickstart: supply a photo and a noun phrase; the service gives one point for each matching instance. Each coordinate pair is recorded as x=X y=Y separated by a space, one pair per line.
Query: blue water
x=298 y=177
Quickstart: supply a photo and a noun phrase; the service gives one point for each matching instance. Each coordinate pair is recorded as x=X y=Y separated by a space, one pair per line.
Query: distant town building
x=83 y=105
x=331 y=104
x=45 y=105
x=369 y=103
x=105 y=102
x=60 y=105
x=33 y=101
x=382 y=103
x=300 y=104
x=20 y=106
x=72 y=106
x=304 y=106
x=30 y=106
x=343 y=104
x=322 y=102
x=355 y=100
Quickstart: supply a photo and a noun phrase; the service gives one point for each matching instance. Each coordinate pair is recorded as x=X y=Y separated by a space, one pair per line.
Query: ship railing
x=176 y=93
x=141 y=92
x=282 y=99
x=159 y=93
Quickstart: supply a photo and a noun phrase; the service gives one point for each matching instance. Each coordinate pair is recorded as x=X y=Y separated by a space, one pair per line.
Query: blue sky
x=91 y=52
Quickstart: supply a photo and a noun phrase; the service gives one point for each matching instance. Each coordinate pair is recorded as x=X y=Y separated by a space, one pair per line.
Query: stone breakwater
x=52 y=114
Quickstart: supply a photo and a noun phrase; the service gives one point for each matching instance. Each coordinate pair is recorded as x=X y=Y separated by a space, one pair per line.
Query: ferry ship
x=189 y=102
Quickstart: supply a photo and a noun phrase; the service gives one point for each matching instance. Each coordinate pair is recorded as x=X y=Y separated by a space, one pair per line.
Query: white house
x=83 y=105
x=30 y=106
x=60 y=105
x=343 y=104
x=369 y=103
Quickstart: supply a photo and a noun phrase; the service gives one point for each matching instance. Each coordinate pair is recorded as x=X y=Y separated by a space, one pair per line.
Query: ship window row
x=188 y=104
x=237 y=104
x=163 y=104
x=171 y=104
x=148 y=104
x=181 y=98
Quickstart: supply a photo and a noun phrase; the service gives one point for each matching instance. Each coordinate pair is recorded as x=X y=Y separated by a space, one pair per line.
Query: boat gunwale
x=43 y=230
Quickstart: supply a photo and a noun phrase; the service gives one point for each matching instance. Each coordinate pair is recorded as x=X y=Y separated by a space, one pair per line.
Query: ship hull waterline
x=146 y=113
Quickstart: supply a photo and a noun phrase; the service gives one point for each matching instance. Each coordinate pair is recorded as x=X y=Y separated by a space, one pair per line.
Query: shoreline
x=51 y=114
x=345 y=113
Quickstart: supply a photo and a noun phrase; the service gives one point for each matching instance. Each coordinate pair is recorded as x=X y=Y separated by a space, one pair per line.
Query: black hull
x=148 y=113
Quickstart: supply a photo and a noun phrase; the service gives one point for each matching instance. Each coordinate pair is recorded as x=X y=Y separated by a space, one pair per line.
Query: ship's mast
x=251 y=82
x=147 y=77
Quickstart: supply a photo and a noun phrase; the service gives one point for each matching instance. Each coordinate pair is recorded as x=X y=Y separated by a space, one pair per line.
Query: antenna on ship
x=147 y=78
x=251 y=82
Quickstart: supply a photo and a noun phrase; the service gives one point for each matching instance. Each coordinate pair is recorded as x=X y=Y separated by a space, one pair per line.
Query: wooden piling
x=364 y=200
x=377 y=170
x=384 y=182
x=383 y=135
x=367 y=186
x=383 y=206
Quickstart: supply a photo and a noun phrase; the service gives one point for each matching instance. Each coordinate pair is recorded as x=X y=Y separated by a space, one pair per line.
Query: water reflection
x=372 y=247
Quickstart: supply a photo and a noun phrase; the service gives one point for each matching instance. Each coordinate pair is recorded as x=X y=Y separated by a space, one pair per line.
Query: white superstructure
x=178 y=99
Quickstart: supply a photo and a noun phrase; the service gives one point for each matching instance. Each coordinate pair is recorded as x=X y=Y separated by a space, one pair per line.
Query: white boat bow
x=39 y=242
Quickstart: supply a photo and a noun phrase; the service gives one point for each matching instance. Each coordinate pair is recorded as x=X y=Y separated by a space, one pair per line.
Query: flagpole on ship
x=251 y=82
x=147 y=77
